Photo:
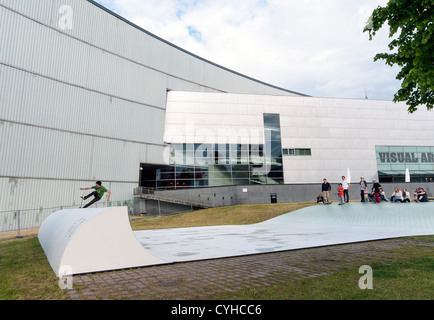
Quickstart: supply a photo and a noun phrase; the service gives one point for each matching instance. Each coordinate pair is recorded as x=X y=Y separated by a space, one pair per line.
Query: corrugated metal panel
x=43 y=102
x=57 y=56
x=86 y=103
x=40 y=10
x=98 y=27
x=36 y=152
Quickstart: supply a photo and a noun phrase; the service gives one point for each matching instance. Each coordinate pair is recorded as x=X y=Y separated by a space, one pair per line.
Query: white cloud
x=315 y=47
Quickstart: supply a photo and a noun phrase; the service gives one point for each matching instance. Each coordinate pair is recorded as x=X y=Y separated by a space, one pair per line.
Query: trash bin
x=273 y=197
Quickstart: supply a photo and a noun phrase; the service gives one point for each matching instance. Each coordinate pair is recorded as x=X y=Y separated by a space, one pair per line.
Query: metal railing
x=17 y=220
x=143 y=190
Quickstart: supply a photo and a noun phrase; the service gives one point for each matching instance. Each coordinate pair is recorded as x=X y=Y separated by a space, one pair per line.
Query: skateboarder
x=98 y=193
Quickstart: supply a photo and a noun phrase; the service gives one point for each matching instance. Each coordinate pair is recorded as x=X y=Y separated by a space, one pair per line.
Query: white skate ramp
x=313 y=226
x=90 y=240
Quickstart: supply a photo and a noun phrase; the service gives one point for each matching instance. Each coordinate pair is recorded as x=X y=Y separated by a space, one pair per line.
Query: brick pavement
x=207 y=278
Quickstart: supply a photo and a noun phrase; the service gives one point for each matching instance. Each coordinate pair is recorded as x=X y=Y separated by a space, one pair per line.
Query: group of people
x=397 y=196
x=376 y=194
x=324 y=197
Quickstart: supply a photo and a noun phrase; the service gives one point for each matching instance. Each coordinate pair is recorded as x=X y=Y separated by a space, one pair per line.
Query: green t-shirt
x=100 y=191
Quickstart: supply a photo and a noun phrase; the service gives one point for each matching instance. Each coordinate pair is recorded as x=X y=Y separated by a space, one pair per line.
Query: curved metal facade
x=83 y=98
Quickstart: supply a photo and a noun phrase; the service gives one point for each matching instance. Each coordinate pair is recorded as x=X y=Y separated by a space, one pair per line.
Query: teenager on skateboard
x=98 y=193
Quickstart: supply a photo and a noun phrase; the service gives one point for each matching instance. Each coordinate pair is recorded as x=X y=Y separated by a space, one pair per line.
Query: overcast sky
x=315 y=47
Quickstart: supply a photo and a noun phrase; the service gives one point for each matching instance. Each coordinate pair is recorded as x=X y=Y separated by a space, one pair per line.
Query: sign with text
x=399 y=158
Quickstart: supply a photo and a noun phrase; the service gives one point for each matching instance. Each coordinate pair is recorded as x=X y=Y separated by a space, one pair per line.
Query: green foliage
x=412 y=49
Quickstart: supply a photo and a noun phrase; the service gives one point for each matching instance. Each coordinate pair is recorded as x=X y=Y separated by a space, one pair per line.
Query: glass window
x=166 y=184
x=220 y=168
x=272 y=118
x=238 y=182
x=302 y=152
x=275 y=150
x=221 y=153
x=277 y=162
x=220 y=182
x=177 y=155
x=241 y=168
x=198 y=165
x=240 y=175
x=203 y=154
x=199 y=183
x=166 y=173
x=242 y=154
x=272 y=126
x=272 y=135
x=256 y=154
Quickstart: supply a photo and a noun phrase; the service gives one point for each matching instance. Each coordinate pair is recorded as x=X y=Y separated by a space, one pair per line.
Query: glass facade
x=392 y=162
x=273 y=148
x=201 y=165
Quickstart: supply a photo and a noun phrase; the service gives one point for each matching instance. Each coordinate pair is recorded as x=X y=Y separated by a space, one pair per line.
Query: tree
x=414 y=48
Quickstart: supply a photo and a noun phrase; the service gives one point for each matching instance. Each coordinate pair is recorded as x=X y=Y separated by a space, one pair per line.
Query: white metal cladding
x=43 y=102
x=108 y=33
x=341 y=133
x=28 y=151
x=87 y=103
x=43 y=51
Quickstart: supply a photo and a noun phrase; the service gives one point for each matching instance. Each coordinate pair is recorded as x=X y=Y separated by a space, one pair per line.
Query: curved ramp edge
x=79 y=241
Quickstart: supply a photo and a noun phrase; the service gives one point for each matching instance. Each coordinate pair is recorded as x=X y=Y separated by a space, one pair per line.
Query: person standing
x=98 y=193
x=325 y=189
x=376 y=187
x=363 y=189
x=346 y=186
x=341 y=194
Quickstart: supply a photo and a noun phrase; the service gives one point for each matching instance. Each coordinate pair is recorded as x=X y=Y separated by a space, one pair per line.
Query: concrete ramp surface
x=313 y=226
x=90 y=240
x=101 y=239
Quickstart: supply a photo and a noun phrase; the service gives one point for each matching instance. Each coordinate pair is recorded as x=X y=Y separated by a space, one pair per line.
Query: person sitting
x=366 y=195
x=319 y=199
x=371 y=195
x=420 y=195
x=405 y=195
x=396 y=195
x=382 y=195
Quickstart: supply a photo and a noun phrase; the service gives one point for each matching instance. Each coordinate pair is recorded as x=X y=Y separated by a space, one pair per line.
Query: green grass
x=236 y=215
x=25 y=273
x=407 y=273
x=404 y=279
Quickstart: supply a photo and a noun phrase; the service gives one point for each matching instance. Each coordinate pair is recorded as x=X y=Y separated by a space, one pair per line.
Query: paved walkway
x=210 y=279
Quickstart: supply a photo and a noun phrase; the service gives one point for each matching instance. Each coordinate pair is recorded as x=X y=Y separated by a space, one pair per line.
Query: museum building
x=86 y=95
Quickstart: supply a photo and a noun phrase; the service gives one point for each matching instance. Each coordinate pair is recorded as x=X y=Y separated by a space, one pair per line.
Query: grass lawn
x=26 y=274
x=236 y=215
x=409 y=276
